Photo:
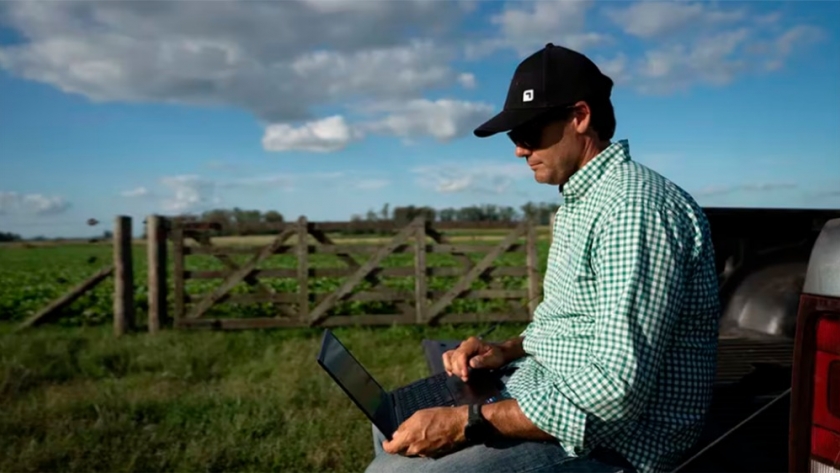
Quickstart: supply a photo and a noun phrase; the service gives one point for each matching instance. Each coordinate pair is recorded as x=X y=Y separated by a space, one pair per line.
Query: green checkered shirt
x=622 y=349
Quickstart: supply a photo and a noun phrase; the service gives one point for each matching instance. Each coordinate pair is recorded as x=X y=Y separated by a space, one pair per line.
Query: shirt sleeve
x=639 y=258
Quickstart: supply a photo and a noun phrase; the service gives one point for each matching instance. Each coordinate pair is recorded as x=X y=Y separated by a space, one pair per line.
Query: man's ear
x=581 y=117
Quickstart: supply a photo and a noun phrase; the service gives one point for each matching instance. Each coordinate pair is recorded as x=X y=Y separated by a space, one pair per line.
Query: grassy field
x=76 y=399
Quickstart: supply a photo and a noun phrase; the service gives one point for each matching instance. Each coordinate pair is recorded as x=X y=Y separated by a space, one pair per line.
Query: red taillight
x=815 y=402
x=825 y=413
x=828 y=334
x=825 y=447
x=815 y=388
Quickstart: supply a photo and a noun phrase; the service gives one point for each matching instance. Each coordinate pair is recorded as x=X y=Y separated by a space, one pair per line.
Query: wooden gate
x=364 y=276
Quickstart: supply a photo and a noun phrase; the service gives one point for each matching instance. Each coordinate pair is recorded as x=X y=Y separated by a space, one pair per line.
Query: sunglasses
x=529 y=135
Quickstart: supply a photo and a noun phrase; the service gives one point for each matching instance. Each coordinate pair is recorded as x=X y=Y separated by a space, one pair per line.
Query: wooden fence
x=474 y=265
x=122 y=270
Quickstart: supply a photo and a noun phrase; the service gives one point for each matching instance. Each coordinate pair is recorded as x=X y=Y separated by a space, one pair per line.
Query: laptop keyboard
x=422 y=394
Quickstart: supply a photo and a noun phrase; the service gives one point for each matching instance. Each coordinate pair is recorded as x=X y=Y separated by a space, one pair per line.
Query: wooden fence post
x=156 y=248
x=531 y=265
x=176 y=232
x=303 y=267
x=123 y=276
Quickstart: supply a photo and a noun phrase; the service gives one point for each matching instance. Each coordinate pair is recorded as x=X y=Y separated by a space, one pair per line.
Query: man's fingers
x=456 y=362
x=393 y=446
x=447 y=362
x=412 y=450
x=482 y=360
x=396 y=444
x=459 y=364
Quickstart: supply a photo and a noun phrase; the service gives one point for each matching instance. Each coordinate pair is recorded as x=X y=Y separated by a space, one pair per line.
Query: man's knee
x=505 y=455
x=388 y=463
x=378 y=439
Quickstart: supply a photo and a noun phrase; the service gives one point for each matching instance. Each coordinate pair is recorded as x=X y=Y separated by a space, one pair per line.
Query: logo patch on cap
x=528 y=95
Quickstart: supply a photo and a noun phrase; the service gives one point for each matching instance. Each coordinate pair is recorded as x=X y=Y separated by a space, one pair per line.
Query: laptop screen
x=355 y=380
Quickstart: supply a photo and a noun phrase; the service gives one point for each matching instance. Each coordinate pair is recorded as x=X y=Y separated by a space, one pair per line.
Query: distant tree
x=447 y=215
x=273 y=216
x=507 y=214
x=9 y=236
x=404 y=215
x=530 y=211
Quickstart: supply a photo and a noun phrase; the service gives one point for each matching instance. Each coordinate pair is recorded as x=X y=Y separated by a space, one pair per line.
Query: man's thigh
x=503 y=456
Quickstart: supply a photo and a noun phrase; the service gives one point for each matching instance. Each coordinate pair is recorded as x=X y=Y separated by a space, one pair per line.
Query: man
x=615 y=371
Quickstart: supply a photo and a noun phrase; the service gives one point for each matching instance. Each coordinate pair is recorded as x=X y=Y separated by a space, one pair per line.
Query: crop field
x=77 y=399
x=31 y=277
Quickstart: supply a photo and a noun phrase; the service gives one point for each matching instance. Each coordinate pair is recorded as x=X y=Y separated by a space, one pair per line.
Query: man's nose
x=522 y=152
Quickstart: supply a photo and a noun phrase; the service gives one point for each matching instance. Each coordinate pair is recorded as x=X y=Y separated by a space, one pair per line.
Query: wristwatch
x=478 y=428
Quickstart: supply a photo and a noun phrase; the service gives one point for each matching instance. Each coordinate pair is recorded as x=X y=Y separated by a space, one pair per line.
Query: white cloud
x=31 y=204
x=467 y=80
x=381 y=73
x=527 y=27
x=194 y=193
x=476 y=177
x=262 y=57
x=790 y=40
x=321 y=136
x=442 y=119
x=710 y=60
x=188 y=193
x=136 y=192
x=693 y=43
x=616 y=67
x=649 y=19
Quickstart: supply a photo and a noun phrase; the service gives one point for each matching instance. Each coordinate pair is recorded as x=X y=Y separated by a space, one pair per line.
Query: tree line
x=239 y=221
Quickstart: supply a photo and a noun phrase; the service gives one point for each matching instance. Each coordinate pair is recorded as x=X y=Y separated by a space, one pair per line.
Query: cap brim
x=506 y=120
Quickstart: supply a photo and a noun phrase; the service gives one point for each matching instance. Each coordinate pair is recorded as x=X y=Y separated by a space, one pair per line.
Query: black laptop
x=387 y=410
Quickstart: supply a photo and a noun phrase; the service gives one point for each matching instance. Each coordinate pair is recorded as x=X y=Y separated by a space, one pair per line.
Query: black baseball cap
x=551 y=78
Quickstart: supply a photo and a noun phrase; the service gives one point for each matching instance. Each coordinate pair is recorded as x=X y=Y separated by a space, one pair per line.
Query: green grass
x=76 y=399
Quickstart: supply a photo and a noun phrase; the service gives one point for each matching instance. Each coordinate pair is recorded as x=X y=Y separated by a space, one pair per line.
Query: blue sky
x=331 y=108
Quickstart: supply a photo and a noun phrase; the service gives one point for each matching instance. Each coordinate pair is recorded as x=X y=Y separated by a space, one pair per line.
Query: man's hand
x=429 y=432
x=474 y=353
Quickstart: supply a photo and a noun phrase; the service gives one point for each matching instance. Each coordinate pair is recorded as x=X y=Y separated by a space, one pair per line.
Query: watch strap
x=477 y=428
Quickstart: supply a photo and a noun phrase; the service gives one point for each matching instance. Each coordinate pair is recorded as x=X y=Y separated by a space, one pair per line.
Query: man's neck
x=591 y=149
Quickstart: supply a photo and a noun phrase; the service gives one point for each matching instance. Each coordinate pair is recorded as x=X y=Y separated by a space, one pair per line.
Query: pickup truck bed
x=752 y=371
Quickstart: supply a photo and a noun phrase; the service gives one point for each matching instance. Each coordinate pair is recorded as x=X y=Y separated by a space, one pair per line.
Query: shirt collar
x=586 y=177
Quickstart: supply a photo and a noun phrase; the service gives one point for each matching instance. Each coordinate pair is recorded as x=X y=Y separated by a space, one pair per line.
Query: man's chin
x=544 y=178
